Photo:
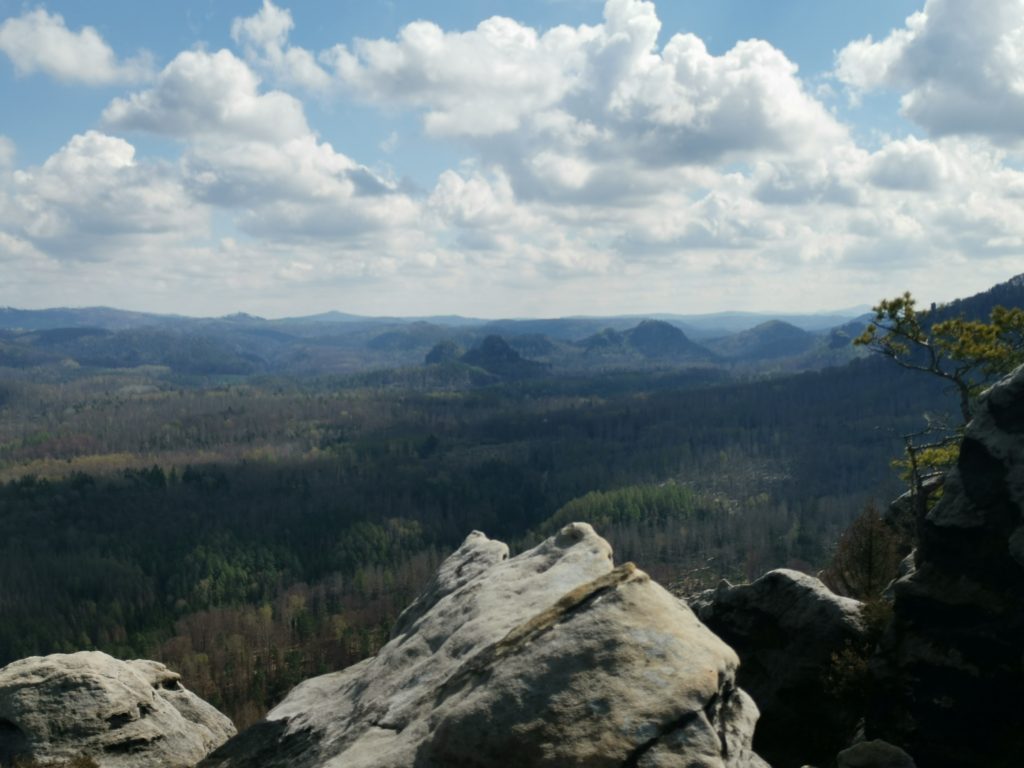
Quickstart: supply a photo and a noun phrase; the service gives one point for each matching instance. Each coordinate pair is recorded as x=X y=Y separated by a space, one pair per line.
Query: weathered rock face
x=552 y=658
x=950 y=667
x=122 y=714
x=785 y=627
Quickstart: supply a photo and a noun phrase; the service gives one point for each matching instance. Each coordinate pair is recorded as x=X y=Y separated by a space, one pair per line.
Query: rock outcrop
x=551 y=658
x=785 y=627
x=122 y=714
x=950 y=668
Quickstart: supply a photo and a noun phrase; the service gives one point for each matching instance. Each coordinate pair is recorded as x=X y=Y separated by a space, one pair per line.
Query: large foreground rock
x=122 y=714
x=951 y=665
x=552 y=658
x=786 y=626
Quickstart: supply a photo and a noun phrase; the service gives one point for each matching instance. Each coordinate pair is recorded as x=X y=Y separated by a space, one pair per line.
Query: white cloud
x=604 y=90
x=833 y=178
x=473 y=83
x=909 y=165
x=473 y=201
x=264 y=38
x=18 y=250
x=595 y=114
x=603 y=172
x=254 y=154
x=92 y=197
x=957 y=63
x=864 y=65
x=38 y=41
x=214 y=94
x=267 y=28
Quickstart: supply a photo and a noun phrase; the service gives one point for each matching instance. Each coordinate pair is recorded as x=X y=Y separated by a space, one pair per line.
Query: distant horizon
x=841 y=312
x=498 y=159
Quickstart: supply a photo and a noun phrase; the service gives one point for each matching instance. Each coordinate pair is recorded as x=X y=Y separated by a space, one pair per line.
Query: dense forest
x=252 y=527
x=251 y=533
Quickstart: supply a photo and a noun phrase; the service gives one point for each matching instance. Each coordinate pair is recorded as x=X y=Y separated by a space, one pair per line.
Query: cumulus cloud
x=211 y=94
x=473 y=83
x=264 y=38
x=601 y=90
x=93 y=192
x=908 y=165
x=965 y=209
x=833 y=178
x=38 y=41
x=253 y=152
x=473 y=200
x=598 y=163
x=302 y=189
x=595 y=115
x=957 y=63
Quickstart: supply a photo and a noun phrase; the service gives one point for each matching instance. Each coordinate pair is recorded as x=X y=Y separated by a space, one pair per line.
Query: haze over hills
x=338 y=343
x=241 y=344
x=571 y=327
x=771 y=339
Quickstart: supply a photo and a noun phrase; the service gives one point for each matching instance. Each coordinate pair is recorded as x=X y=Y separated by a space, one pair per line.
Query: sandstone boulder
x=785 y=627
x=950 y=667
x=551 y=658
x=122 y=714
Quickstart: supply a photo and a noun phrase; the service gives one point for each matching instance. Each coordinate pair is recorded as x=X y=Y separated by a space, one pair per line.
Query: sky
x=508 y=159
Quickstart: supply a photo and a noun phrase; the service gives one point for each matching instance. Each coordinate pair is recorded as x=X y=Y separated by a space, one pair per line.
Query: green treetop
x=969 y=354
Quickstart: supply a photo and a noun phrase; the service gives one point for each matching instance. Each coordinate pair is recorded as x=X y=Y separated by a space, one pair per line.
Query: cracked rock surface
x=552 y=658
x=122 y=714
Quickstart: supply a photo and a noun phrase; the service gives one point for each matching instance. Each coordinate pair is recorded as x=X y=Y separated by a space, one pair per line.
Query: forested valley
x=252 y=533
x=252 y=528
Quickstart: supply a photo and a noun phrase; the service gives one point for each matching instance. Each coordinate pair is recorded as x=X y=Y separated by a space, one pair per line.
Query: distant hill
x=723 y=323
x=980 y=305
x=495 y=356
x=533 y=345
x=658 y=339
x=418 y=335
x=89 y=317
x=339 y=343
x=183 y=352
x=651 y=340
x=767 y=341
x=446 y=351
x=562 y=328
